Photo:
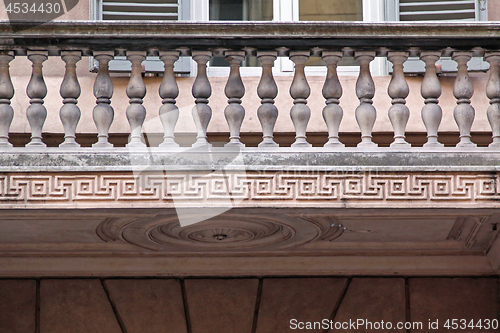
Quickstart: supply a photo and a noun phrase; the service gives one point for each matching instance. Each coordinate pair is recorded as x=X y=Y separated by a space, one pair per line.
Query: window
x=437 y=10
x=290 y=10
x=168 y=10
x=239 y=10
x=333 y=10
x=204 y=10
x=141 y=10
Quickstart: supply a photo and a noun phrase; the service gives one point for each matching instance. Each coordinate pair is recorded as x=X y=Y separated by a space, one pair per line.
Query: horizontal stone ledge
x=215 y=30
x=135 y=35
x=250 y=159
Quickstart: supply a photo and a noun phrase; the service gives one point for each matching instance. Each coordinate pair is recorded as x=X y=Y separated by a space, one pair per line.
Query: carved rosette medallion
x=227 y=232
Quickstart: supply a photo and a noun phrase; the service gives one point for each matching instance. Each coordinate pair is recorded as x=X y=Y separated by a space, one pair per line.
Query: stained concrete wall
x=240 y=305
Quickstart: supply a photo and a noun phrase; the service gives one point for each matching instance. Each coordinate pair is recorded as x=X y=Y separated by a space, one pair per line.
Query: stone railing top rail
x=98 y=35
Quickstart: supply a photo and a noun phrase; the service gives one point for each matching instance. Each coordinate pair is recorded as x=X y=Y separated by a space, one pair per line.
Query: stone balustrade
x=234 y=41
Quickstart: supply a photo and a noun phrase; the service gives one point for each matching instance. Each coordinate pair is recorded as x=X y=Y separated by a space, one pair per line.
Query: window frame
x=288 y=11
x=481 y=8
x=121 y=64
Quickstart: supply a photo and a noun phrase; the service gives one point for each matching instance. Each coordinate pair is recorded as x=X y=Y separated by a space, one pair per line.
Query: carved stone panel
x=226 y=232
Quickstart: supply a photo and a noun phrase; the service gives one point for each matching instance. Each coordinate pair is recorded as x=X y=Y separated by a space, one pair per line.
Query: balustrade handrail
x=267 y=40
x=139 y=35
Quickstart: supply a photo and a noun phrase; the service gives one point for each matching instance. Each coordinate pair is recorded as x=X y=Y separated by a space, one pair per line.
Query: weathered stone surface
x=430 y=89
x=332 y=91
x=221 y=305
x=365 y=90
x=155 y=304
x=348 y=159
x=169 y=91
x=76 y=306
x=398 y=90
x=463 y=90
x=136 y=90
x=229 y=34
x=374 y=300
x=103 y=113
x=309 y=300
x=234 y=112
x=202 y=113
x=493 y=93
x=454 y=298
x=17 y=306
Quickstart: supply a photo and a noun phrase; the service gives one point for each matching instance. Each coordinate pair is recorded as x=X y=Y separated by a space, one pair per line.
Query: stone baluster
x=463 y=91
x=169 y=112
x=493 y=93
x=136 y=90
x=70 y=91
x=398 y=90
x=300 y=91
x=267 y=91
x=103 y=91
x=430 y=91
x=332 y=91
x=365 y=90
x=6 y=94
x=202 y=113
x=235 y=90
x=36 y=91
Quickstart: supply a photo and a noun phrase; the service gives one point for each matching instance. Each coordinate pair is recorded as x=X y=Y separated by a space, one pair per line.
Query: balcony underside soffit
x=248 y=241
x=243 y=213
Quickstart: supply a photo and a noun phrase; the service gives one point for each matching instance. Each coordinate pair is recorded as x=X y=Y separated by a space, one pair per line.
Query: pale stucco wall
x=494 y=10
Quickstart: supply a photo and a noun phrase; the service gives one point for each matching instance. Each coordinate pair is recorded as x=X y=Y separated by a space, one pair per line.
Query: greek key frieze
x=25 y=189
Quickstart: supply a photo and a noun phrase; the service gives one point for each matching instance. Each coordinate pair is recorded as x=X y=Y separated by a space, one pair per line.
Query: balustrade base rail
x=284 y=139
x=251 y=159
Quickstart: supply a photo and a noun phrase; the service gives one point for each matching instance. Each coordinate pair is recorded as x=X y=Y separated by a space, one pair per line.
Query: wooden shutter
x=440 y=11
x=148 y=10
x=140 y=10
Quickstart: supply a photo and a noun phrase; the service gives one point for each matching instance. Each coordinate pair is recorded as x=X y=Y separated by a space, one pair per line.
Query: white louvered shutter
x=439 y=11
x=148 y=10
x=140 y=10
